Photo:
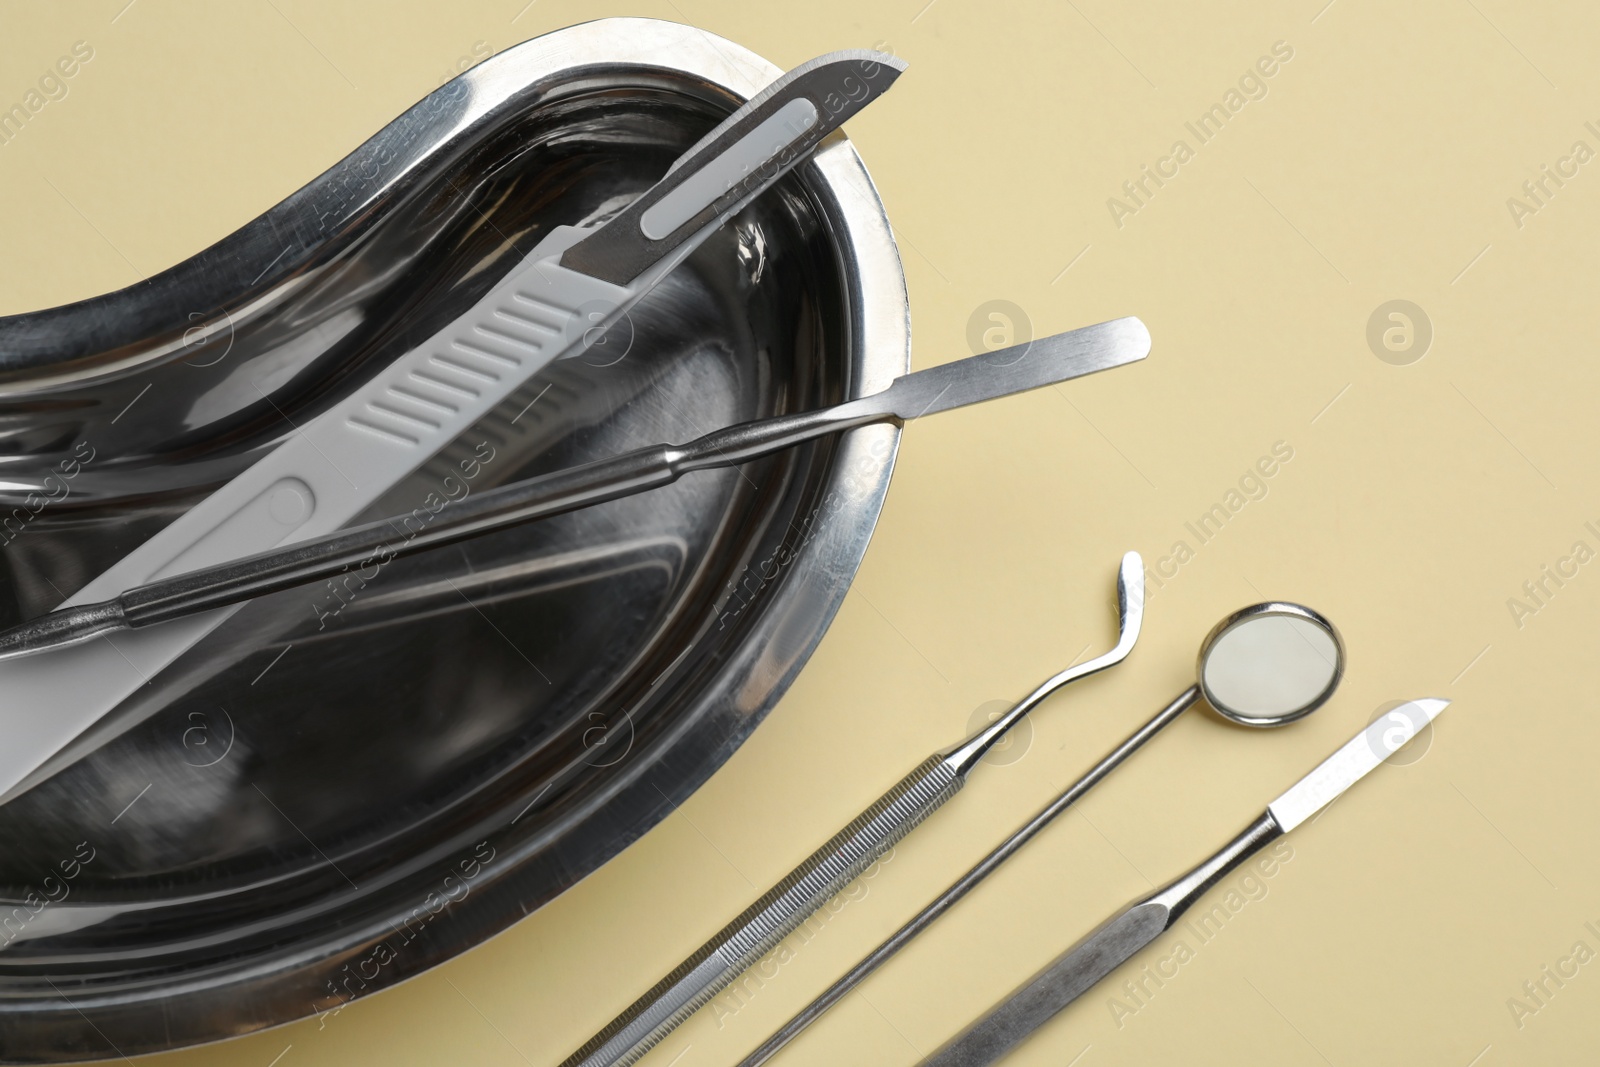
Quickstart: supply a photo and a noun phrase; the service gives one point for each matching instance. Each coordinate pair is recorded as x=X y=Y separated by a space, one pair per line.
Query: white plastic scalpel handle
x=315 y=482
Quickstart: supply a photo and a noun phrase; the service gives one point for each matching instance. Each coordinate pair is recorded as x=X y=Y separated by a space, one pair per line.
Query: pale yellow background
x=1377 y=167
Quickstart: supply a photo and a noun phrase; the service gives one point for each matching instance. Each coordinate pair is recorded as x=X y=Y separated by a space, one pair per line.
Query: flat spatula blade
x=1045 y=361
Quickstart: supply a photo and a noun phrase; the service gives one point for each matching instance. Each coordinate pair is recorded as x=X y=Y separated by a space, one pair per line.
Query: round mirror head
x=1270 y=664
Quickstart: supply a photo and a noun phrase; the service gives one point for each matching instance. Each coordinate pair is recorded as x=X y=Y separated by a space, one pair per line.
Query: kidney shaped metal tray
x=349 y=783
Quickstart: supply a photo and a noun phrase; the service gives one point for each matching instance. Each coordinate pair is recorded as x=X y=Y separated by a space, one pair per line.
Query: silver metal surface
x=340 y=462
x=965 y=884
x=1244 y=619
x=1044 y=361
x=831 y=88
x=1025 y=833
x=1358 y=758
x=717 y=963
x=1077 y=970
x=964 y=755
x=967 y=381
x=342 y=787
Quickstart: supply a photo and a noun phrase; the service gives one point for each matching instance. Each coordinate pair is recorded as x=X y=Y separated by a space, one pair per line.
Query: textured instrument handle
x=1106 y=948
x=315 y=482
x=378 y=542
x=779 y=912
x=1073 y=973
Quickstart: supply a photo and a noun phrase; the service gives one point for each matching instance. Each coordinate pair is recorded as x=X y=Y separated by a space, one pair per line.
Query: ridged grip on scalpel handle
x=321 y=477
x=778 y=913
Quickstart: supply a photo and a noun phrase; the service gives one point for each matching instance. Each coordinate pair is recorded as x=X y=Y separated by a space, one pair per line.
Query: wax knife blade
x=1357 y=758
x=1111 y=944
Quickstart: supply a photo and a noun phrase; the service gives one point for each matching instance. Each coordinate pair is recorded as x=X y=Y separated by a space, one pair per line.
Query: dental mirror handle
x=781 y=910
x=969 y=881
x=828 y=870
x=777 y=914
x=1109 y=946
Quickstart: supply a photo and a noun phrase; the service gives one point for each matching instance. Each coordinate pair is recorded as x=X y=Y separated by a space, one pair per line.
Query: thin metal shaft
x=779 y=912
x=376 y=543
x=1058 y=358
x=965 y=884
x=992 y=1037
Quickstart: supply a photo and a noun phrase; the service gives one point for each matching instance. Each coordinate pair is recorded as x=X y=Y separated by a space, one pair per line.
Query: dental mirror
x=1264 y=665
x=1270 y=664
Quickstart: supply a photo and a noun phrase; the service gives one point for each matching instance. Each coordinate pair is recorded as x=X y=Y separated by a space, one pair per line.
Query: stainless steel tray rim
x=218 y=1002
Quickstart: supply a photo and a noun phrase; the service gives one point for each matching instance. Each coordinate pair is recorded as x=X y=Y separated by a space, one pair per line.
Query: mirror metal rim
x=1279 y=608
